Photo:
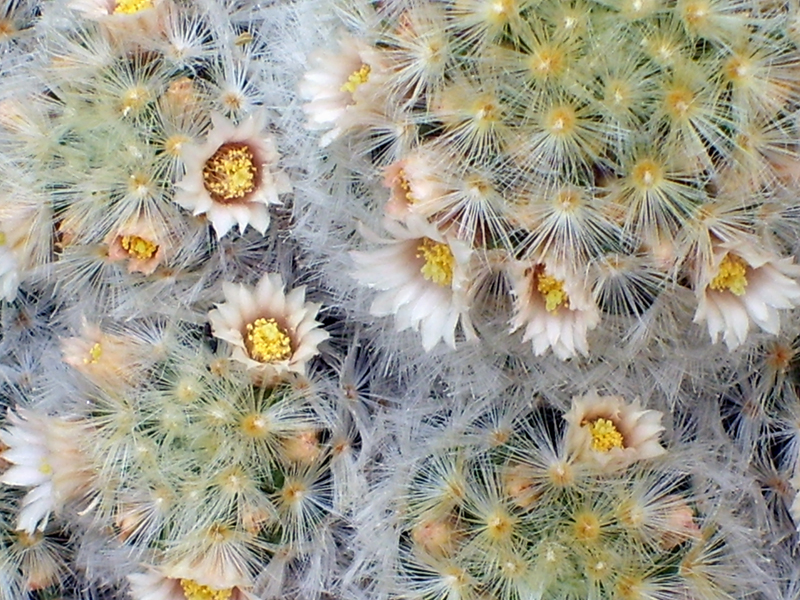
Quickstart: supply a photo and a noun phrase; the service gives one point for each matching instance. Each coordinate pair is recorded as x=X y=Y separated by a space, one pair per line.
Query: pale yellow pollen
x=268 y=342
x=45 y=468
x=439 y=262
x=552 y=290
x=3 y=239
x=95 y=353
x=138 y=247
x=231 y=173
x=356 y=79
x=194 y=591
x=605 y=435
x=731 y=275
x=130 y=7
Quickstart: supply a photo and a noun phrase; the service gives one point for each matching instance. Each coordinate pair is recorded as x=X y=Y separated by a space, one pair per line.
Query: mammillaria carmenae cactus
x=597 y=153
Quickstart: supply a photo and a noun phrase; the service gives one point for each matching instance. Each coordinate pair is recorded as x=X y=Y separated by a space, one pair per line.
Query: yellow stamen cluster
x=231 y=173
x=357 y=78
x=138 y=247
x=731 y=275
x=605 y=435
x=439 y=262
x=95 y=353
x=130 y=7
x=552 y=290
x=194 y=591
x=267 y=341
x=3 y=239
x=406 y=187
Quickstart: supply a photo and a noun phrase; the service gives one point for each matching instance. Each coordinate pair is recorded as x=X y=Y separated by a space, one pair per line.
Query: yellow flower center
x=439 y=262
x=356 y=79
x=3 y=239
x=267 y=341
x=138 y=247
x=129 y=7
x=231 y=173
x=605 y=435
x=95 y=353
x=552 y=290
x=194 y=591
x=731 y=275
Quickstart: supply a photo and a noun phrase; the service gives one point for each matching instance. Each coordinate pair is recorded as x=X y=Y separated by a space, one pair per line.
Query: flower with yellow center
x=194 y=591
x=342 y=87
x=137 y=243
x=439 y=262
x=609 y=433
x=732 y=275
x=129 y=7
x=267 y=342
x=605 y=435
x=230 y=173
x=357 y=78
x=553 y=306
x=552 y=290
x=423 y=277
x=272 y=332
x=232 y=177
x=742 y=282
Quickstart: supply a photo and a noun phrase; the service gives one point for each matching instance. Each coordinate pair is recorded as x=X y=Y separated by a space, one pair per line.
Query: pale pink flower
x=126 y=21
x=138 y=243
x=109 y=360
x=740 y=283
x=416 y=185
x=154 y=585
x=271 y=332
x=233 y=178
x=343 y=88
x=46 y=458
x=610 y=433
x=424 y=278
x=554 y=308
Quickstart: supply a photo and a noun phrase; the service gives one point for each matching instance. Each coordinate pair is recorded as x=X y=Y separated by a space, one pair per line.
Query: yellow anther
x=406 y=187
x=94 y=355
x=138 y=247
x=129 y=7
x=731 y=275
x=439 y=262
x=45 y=468
x=552 y=290
x=231 y=173
x=267 y=342
x=194 y=591
x=605 y=435
x=3 y=239
x=356 y=79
